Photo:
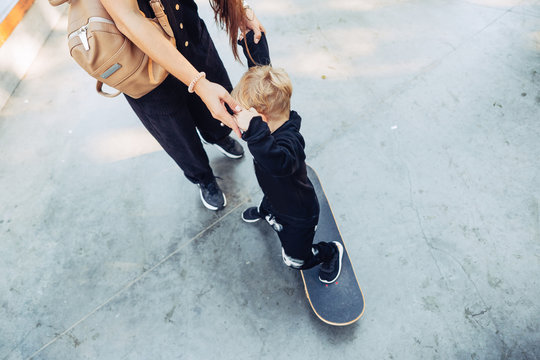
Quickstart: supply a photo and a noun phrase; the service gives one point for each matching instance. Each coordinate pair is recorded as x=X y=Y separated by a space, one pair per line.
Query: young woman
x=193 y=99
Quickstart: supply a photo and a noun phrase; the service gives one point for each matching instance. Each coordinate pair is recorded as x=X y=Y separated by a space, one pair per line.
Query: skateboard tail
x=328 y=321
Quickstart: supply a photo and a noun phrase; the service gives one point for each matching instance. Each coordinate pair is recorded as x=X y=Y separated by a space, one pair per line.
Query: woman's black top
x=183 y=18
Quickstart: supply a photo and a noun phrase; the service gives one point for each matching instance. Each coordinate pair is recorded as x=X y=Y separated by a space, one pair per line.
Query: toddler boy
x=289 y=204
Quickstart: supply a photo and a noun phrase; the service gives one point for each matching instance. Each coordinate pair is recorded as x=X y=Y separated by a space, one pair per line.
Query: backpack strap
x=159 y=11
x=99 y=88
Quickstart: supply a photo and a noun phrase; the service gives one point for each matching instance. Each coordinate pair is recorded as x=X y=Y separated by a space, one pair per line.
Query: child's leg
x=264 y=207
x=298 y=250
x=255 y=213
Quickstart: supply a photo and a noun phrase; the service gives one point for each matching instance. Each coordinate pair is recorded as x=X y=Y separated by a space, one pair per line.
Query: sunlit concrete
x=23 y=45
x=421 y=118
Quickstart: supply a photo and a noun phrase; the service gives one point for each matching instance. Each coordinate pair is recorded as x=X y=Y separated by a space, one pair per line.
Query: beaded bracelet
x=191 y=87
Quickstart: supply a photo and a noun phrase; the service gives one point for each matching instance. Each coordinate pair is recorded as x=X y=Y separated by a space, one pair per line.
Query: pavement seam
x=136 y=280
x=432 y=248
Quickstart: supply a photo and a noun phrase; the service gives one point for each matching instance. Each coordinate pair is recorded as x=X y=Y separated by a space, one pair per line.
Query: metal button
x=181 y=25
x=187 y=43
x=177 y=7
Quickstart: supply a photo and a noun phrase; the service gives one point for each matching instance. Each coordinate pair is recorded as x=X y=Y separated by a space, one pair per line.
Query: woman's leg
x=205 y=57
x=165 y=113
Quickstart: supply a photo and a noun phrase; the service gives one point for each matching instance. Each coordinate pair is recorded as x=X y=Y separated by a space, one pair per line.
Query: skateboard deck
x=340 y=303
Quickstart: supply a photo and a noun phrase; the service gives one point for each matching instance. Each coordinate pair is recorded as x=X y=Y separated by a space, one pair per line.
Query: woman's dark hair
x=230 y=15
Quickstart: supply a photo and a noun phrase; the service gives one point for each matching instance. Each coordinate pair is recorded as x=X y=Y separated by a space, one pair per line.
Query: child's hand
x=243 y=118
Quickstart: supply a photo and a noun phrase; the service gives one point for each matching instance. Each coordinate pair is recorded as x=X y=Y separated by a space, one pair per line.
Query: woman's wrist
x=250 y=15
x=195 y=81
x=199 y=87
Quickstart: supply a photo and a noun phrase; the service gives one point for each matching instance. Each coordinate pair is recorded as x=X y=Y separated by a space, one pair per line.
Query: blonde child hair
x=267 y=89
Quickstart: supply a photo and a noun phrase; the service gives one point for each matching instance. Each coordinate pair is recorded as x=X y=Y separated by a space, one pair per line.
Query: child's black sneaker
x=211 y=195
x=251 y=215
x=330 y=270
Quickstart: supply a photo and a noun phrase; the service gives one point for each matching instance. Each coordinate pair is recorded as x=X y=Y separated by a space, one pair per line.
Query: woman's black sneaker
x=230 y=147
x=251 y=215
x=330 y=270
x=211 y=196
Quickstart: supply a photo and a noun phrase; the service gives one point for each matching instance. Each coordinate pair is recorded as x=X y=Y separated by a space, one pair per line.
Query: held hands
x=215 y=97
x=243 y=118
x=252 y=23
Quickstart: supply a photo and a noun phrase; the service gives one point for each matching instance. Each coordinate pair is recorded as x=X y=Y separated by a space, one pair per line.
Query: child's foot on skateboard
x=330 y=270
x=251 y=215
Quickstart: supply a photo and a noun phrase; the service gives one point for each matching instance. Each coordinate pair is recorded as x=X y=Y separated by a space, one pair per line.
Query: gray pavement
x=422 y=119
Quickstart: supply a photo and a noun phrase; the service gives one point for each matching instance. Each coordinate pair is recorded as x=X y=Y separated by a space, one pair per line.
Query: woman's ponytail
x=230 y=15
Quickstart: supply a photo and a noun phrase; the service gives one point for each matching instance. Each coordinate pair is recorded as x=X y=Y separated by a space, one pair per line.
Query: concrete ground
x=422 y=119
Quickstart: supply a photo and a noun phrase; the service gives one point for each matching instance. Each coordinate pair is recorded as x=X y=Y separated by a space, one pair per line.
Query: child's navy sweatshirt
x=280 y=168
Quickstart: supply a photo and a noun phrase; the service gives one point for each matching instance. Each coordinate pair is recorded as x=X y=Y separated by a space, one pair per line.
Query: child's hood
x=294 y=122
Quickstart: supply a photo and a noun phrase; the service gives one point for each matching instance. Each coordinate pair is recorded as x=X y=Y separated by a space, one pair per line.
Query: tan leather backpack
x=109 y=56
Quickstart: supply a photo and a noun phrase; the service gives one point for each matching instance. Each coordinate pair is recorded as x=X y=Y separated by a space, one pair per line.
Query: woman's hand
x=243 y=118
x=252 y=23
x=215 y=97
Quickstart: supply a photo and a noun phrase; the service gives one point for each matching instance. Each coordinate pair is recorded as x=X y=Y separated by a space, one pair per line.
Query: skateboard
x=342 y=302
